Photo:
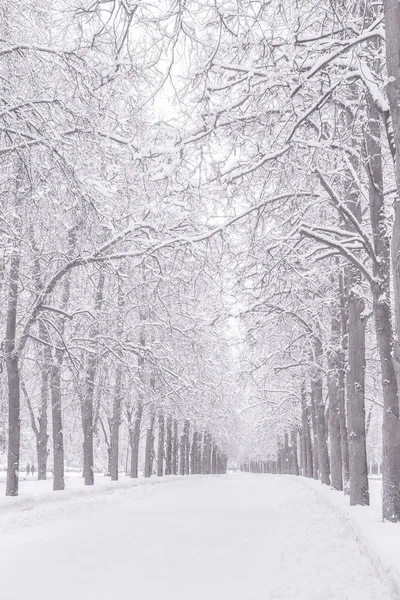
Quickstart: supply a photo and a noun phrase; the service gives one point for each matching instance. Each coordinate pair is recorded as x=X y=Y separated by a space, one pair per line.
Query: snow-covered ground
x=235 y=537
x=380 y=540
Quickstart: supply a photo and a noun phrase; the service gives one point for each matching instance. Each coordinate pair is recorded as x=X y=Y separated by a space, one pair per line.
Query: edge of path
x=378 y=540
x=30 y=510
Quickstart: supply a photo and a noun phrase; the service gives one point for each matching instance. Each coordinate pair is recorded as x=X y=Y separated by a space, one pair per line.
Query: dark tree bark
x=40 y=428
x=342 y=385
x=317 y=388
x=381 y=292
x=160 y=453
x=333 y=394
x=295 y=463
x=186 y=429
x=116 y=414
x=56 y=415
x=214 y=460
x=13 y=378
x=168 y=448
x=87 y=400
x=193 y=454
x=149 y=449
x=314 y=436
x=175 y=449
x=134 y=438
x=115 y=424
x=307 y=443
x=182 y=452
x=359 y=493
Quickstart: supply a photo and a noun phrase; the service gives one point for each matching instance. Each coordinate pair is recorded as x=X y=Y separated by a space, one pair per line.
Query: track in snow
x=239 y=537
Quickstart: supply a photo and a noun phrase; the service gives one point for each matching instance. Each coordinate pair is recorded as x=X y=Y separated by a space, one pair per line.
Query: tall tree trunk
x=87 y=400
x=305 y=418
x=317 y=386
x=149 y=450
x=116 y=414
x=359 y=493
x=56 y=416
x=168 y=448
x=160 y=448
x=295 y=463
x=315 y=436
x=333 y=395
x=186 y=429
x=135 y=440
x=175 y=449
x=115 y=424
x=341 y=358
x=42 y=438
x=55 y=382
x=383 y=319
x=182 y=452
x=12 y=366
x=214 y=460
x=390 y=433
x=193 y=454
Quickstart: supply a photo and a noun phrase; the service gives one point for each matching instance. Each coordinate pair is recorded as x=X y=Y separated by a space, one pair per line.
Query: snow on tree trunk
x=383 y=319
x=333 y=413
x=341 y=366
x=358 y=466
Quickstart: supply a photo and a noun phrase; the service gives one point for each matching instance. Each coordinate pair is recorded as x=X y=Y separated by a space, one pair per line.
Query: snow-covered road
x=238 y=537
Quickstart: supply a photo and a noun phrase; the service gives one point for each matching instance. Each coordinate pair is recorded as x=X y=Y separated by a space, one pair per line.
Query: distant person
x=32 y=470
x=28 y=469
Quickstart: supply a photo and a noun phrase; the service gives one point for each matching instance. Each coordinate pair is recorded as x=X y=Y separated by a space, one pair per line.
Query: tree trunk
x=87 y=401
x=342 y=385
x=307 y=451
x=13 y=379
x=359 y=493
x=186 y=429
x=160 y=453
x=295 y=463
x=42 y=437
x=115 y=424
x=315 y=436
x=116 y=415
x=316 y=382
x=168 y=449
x=149 y=450
x=182 y=453
x=193 y=454
x=58 y=437
x=214 y=460
x=135 y=441
x=175 y=449
x=333 y=395
x=383 y=319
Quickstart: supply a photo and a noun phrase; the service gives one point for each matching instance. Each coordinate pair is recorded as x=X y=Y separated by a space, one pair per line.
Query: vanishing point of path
x=236 y=537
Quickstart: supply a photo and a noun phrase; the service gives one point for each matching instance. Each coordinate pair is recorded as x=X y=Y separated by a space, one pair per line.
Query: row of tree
x=180 y=177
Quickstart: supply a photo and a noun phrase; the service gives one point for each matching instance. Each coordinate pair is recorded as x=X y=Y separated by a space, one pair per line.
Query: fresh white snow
x=235 y=537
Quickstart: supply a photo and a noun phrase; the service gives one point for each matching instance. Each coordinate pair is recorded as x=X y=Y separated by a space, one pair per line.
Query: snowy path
x=239 y=537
